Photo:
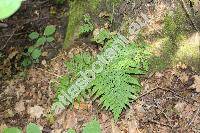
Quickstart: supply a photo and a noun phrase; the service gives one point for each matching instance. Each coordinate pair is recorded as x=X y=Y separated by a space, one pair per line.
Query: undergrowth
x=117 y=85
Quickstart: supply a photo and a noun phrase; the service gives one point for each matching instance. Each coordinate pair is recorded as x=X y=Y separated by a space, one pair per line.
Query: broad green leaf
x=49 y=30
x=30 y=49
x=41 y=41
x=8 y=8
x=26 y=62
x=12 y=130
x=92 y=127
x=71 y=131
x=33 y=35
x=36 y=53
x=33 y=128
x=50 y=39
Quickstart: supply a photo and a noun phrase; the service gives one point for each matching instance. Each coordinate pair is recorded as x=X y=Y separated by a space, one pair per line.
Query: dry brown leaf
x=159 y=75
x=196 y=83
x=133 y=126
x=181 y=65
x=36 y=111
x=180 y=106
x=71 y=120
x=104 y=14
x=183 y=77
x=115 y=129
x=19 y=106
x=81 y=106
x=2 y=126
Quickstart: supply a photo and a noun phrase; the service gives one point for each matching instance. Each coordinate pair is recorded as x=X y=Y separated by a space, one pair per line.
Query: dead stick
x=183 y=4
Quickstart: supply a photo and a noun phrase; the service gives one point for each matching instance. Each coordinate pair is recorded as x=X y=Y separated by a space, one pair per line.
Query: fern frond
x=116 y=85
x=78 y=63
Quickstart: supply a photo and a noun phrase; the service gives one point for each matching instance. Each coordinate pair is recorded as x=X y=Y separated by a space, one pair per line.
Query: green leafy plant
x=102 y=36
x=9 y=7
x=12 y=130
x=79 y=62
x=87 y=26
x=34 y=52
x=31 y=128
x=90 y=127
x=59 y=1
x=71 y=131
x=118 y=84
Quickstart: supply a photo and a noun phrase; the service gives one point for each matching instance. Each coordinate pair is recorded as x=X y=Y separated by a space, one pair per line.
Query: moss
x=165 y=48
x=176 y=45
x=77 y=9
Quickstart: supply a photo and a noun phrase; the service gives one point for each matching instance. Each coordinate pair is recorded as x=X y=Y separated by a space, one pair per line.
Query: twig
x=162 y=124
x=194 y=117
x=3 y=25
x=183 y=4
x=13 y=35
x=146 y=93
x=9 y=39
x=179 y=95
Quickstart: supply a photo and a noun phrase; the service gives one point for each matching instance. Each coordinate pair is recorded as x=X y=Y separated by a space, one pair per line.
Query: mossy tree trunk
x=77 y=9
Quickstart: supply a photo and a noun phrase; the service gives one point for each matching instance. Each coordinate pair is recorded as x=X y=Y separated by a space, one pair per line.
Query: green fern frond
x=87 y=26
x=102 y=36
x=78 y=63
x=117 y=85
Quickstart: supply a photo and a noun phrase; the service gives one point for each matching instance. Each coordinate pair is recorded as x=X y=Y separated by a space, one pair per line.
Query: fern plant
x=92 y=127
x=87 y=26
x=102 y=36
x=117 y=85
x=79 y=62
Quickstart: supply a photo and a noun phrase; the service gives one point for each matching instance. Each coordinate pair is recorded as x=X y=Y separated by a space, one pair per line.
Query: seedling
x=87 y=27
x=34 y=52
x=31 y=128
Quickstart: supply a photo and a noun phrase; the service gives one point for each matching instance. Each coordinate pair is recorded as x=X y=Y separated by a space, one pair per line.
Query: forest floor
x=170 y=99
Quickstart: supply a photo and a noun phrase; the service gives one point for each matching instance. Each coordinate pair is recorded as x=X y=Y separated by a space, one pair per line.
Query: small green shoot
x=87 y=27
x=31 y=128
x=34 y=52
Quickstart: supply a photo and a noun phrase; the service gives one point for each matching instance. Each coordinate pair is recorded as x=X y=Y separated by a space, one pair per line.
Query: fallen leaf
x=133 y=126
x=196 y=83
x=115 y=129
x=104 y=14
x=180 y=106
x=81 y=106
x=44 y=63
x=2 y=126
x=159 y=75
x=183 y=77
x=35 y=111
x=19 y=106
x=71 y=120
